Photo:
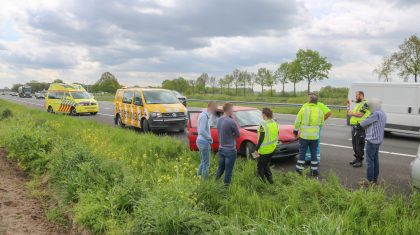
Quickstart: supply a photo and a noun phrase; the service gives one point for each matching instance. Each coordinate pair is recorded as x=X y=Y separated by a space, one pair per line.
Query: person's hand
x=350 y=113
x=256 y=154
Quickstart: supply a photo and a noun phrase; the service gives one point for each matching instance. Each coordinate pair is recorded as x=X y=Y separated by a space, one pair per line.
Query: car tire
x=93 y=113
x=50 y=109
x=73 y=112
x=118 y=122
x=182 y=130
x=145 y=125
x=249 y=148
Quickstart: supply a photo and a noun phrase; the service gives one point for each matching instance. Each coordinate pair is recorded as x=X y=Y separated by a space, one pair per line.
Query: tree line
x=405 y=62
x=308 y=66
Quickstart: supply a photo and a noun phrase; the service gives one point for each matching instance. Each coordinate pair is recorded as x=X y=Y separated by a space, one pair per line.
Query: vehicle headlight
x=155 y=115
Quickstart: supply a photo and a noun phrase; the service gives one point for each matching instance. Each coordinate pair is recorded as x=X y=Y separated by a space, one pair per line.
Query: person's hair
x=361 y=93
x=267 y=112
x=227 y=106
x=211 y=103
x=313 y=99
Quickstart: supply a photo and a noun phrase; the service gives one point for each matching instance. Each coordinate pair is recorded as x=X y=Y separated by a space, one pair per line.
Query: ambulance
x=70 y=99
x=149 y=109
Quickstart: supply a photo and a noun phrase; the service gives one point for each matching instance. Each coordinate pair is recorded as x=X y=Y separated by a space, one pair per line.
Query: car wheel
x=93 y=113
x=73 y=112
x=145 y=125
x=182 y=130
x=249 y=149
x=50 y=109
x=118 y=122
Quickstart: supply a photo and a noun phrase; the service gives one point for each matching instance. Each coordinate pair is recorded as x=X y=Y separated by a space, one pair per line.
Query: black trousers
x=263 y=166
x=358 y=136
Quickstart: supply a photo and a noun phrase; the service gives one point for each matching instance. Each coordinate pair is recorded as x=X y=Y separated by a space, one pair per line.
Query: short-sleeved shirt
x=228 y=132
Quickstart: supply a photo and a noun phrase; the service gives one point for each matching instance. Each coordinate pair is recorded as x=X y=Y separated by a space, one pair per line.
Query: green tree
x=407 y=59
x=179 y=84
x=221 y=83
x=58 y=81
x=236 y=79
x=38 y=86
x=106 y=83
x=202 y=81
x=244 y=77
x=15 y=87
x=270 y=81
x=213 y=83
x=251 y=80
x=228 y=81
x=312 y=66
x=384 y=70
x=192 y=84
x=263 y=75
x=282 y=75
x=294 y=75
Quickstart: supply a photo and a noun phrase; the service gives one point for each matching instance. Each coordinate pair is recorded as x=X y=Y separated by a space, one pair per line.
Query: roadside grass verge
x=117 y=181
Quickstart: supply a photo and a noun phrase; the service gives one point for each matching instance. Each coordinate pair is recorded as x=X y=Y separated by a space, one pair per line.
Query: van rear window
x=128 y=97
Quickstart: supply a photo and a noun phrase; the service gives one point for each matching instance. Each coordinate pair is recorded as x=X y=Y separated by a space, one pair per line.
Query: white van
x=400 y=101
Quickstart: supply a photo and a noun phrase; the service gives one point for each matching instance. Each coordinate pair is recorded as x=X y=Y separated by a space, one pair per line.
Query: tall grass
x=116 y=181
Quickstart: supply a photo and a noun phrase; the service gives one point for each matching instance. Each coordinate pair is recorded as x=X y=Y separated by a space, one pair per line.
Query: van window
x=55 y=95
x=66 y=96
x=51 y=95
x=128 y=97
x=137 y=98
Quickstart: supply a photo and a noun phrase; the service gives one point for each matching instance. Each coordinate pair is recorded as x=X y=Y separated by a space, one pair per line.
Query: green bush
x=5 y=113
x=115 y=181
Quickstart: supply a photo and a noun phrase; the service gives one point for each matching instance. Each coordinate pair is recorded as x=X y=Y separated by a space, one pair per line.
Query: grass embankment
x=117 y=181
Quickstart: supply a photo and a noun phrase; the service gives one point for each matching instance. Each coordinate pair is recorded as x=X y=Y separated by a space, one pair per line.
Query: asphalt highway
x=397 y=151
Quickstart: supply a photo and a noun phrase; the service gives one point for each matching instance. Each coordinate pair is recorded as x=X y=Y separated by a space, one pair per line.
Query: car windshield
x=80 y=95
x=249 y=117
x=176 y=93
x=160 y=97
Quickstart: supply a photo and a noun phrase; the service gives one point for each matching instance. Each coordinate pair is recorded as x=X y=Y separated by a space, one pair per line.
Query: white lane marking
x=384 y=152
x=104 y=114
x=350 y=139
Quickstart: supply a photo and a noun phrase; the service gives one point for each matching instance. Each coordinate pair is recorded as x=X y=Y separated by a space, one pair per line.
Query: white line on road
x=104 y=114
x=384 y=152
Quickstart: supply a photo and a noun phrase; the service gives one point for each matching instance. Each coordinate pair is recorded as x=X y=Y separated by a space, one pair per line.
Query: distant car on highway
x=415 y=170
x=13 y=94
x=248 y=120
x=39 y=95
x=180 y=97
x=403 y=110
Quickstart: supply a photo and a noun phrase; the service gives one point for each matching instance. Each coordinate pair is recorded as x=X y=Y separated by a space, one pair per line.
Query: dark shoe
x=270 y=180
x=299 y=171
x=358 y=164
x=314 y=173
x=353 y=162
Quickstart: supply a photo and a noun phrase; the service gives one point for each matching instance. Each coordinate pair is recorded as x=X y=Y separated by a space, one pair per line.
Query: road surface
x=396 y=153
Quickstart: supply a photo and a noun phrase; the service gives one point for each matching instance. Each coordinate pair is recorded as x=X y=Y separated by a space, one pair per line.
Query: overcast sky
x=144 y=42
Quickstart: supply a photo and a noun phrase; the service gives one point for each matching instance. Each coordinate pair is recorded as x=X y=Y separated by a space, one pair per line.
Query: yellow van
x=149 y=109
x=71 y=99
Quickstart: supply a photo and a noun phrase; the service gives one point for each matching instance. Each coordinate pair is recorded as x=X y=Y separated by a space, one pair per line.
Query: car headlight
x=155 y=115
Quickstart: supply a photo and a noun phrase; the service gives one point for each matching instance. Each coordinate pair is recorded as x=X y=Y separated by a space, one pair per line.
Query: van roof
x=65 y=87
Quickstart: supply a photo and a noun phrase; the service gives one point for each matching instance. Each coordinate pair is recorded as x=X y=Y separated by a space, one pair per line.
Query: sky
x=143 y=42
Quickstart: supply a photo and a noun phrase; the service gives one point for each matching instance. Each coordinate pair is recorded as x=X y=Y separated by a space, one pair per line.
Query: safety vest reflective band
x=271 y=135
x=355 y=120
x=312 y=120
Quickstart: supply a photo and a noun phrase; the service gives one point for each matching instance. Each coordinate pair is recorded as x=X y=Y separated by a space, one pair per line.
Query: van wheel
x=249 y=148
x=50 y=109
x=145 y=125
x=93 y=113
x=73 y=112
x=118 y=122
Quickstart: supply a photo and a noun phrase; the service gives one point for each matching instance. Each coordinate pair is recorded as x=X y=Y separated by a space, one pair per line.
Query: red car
x=248 y=120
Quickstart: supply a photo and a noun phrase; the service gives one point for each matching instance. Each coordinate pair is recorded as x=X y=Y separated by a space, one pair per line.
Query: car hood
x=285 y=132
x=166 y=108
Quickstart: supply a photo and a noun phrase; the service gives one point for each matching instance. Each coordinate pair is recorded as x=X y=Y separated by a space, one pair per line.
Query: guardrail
x=334 y=107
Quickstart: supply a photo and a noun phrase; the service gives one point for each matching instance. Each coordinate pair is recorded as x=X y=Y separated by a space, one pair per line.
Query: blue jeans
x=318 y=150
x=204 y=167
x=372 y=160
x=303 y=146
x=227 y=158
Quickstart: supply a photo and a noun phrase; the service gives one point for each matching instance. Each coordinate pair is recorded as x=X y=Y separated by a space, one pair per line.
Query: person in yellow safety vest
x=358 y=135
x=268 y=137
x=307 y=125
x=327 y=114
